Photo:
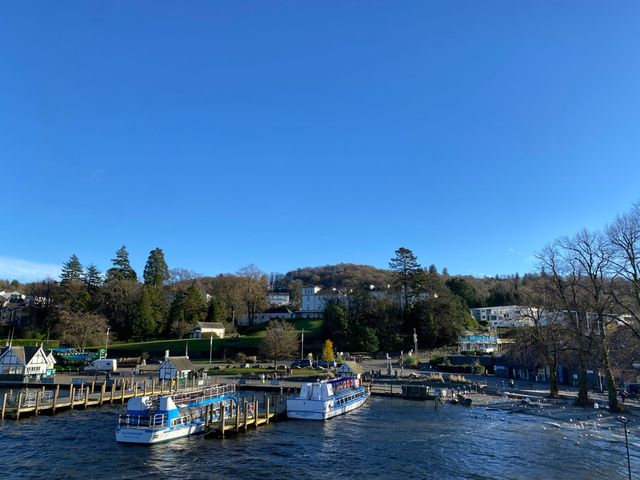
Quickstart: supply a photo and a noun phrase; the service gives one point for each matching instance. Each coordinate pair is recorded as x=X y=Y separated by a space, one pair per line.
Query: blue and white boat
x=155 y=418
x=328 y=398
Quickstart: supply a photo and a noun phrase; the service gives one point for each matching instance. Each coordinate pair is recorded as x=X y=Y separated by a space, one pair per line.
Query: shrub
x=458 y=379
x=240 y=357
x=433 y=377
x=411 y=362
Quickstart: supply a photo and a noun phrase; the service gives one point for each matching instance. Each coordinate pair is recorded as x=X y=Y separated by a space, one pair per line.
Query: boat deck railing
x=203 y=395
x=154 y=421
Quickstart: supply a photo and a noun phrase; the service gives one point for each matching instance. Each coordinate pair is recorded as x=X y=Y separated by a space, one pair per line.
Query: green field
x=248 y=342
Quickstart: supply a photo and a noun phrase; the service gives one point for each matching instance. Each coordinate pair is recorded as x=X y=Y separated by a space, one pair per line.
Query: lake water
x=387 y=438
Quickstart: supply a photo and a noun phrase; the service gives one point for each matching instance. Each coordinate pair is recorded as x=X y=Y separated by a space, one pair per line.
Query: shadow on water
x=385 y=438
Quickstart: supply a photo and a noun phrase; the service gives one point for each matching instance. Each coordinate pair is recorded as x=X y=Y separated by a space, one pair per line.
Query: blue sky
x=289 y=134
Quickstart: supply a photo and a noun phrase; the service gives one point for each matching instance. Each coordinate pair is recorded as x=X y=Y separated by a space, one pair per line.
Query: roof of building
x=352 y=367
x=282 y=309
x=203 y=325
x=24 y=354
x=181 y=363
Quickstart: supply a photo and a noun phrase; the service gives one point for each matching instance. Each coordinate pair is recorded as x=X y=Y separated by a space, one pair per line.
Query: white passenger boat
x=155 y=419
x=329 y=398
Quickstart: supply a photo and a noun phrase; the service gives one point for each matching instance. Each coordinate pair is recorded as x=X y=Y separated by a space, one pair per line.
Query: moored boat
x=328 y=398
x=160 y=418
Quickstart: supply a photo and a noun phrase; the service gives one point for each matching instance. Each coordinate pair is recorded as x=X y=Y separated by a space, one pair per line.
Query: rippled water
x=386 y=438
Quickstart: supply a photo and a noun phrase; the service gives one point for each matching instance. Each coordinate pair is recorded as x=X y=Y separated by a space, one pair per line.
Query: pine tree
x=151 y=313
x=121 y=269
x=92 y=278
x=156 y=271
x=215 y=310
x=71 y=270
x=195 y=308
x=406 y=268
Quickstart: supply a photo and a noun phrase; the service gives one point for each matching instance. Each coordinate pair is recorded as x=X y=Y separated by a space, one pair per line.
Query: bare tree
x=254 y=290
x=82 y=329
x=624 y=237
x=280 y=341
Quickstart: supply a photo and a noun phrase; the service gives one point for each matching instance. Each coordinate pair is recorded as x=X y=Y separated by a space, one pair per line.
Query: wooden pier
x=69 y=397
x=242 y=414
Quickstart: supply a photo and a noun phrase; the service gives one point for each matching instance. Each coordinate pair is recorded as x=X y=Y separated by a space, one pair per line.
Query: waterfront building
x=207 y=330
x=504 y=316
x=175 y=368
x=483 y=342
x=24 y=363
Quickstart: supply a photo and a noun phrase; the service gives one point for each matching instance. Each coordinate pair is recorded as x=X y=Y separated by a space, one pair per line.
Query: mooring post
x=222 y=415
x=246 y=414
x=93 y=387
x=19 y=405
x=113 y=391
x=266 y=406
x=71 y=397
x=4 y=405
x=123 y=387
x=237 y=416
x=86 y=397
x=38 y=397
x=55 y=398
x=102 y=393
x=256 y=413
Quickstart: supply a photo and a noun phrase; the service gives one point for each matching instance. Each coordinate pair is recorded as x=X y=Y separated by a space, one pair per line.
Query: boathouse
x=175 y=368
x=24 y=363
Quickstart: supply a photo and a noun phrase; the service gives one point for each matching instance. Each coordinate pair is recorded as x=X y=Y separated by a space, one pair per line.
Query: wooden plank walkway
x=42 y=401
x=240 y=415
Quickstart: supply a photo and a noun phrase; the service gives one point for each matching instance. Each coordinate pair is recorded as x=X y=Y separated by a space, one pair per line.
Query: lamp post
x=210 y=348
x=106 y=345
x=625 y=421
x=415 y=342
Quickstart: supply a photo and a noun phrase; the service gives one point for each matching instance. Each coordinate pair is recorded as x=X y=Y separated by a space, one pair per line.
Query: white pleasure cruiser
x=329 y=398
x=155 y=419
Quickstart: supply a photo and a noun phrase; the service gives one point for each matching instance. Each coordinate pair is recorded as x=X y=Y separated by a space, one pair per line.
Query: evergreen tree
x=71 y=270
x=156 y=271
x=92 y=278
x=151 y=313
x=406 y=268
x=195 y=308
x=121 y=269
x=215 y=310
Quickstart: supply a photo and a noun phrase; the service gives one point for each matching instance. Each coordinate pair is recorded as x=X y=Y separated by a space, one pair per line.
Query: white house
x=507 y=316
x=314 y=300
x=208 y=329
x=24 y=363
x=175 y=368
x=278 y=299
x=276 y=313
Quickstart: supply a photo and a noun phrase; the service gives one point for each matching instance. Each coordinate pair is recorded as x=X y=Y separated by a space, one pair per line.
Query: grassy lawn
x=248 y=342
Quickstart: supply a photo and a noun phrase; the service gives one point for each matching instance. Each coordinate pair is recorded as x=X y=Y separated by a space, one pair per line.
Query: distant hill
x=342 y=276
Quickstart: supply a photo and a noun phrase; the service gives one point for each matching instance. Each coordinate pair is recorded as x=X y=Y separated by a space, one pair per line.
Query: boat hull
x=322 y=410
x=150 y=436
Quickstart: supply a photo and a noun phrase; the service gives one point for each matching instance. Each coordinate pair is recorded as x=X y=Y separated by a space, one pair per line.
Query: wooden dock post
x=256 y=412
x=266 y=406
x=222 y=415
x=102 y=389
x=123 y=387
x=135 y=389
x=237 y=416
x=55 y=398
x=246 y=414
x=71 y=396
x=86 y=397
x=113 y=392
x=153 y=386
x=93 y=386
x=19 y=405
x=4 y=405
x=38 y=397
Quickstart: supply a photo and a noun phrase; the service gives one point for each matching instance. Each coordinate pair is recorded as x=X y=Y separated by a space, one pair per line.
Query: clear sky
x=289 y=134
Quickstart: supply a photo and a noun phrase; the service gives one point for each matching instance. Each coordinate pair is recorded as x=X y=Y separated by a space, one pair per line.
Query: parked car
x=301 y=363
x=324 y=364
